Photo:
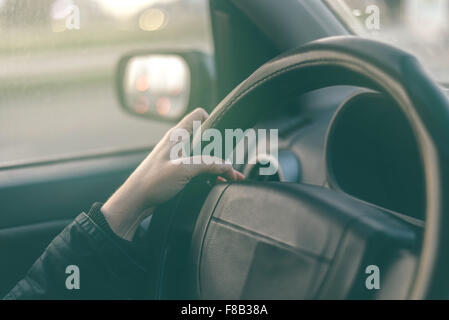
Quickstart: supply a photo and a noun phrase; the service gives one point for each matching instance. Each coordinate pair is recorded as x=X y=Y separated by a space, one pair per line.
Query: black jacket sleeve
x=109 y=267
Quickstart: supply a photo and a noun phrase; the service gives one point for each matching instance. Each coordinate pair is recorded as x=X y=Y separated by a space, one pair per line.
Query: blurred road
x=83 y=119
x=56 y=104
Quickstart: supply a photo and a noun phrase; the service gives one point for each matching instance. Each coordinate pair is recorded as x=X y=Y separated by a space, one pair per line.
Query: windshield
x=420 y=27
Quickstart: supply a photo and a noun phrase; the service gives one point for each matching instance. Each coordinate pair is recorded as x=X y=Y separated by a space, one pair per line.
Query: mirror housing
x=165 y=85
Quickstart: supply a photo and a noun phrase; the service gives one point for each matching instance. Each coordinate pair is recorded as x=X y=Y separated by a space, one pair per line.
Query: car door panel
x=38 y=201
x=21 y=246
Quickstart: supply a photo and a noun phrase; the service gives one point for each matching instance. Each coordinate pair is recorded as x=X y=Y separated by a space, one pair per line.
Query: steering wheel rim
x=362 y=62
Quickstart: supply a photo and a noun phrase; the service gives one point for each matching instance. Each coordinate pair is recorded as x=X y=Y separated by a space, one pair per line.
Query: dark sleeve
x=109 y=267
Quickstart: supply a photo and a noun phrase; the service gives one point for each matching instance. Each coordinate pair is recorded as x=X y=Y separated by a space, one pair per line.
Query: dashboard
x=352 y=140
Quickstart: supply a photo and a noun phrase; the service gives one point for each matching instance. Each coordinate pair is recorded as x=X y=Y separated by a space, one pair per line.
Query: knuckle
x=200 y=111
x=227 y=167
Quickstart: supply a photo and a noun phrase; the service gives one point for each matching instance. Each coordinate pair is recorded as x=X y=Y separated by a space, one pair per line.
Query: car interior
x=362 y=176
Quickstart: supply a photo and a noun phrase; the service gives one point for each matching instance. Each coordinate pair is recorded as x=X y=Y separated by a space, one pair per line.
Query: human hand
x=158 y=179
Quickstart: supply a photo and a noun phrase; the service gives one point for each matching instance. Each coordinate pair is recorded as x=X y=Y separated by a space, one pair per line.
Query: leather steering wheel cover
x=381 y=67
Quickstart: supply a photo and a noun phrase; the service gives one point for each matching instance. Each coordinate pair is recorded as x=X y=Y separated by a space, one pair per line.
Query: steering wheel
x=259 y=240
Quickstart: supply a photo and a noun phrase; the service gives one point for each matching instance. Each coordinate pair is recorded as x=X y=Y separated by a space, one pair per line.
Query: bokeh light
x=152 y=20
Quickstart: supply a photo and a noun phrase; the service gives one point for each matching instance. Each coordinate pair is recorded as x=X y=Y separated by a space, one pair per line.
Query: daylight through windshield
x=420 y=27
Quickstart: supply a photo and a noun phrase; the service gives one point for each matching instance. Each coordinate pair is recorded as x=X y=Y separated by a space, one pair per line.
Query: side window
x=57 y=62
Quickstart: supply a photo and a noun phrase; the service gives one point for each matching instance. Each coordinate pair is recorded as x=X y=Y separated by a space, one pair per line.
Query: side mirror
x=165 y=85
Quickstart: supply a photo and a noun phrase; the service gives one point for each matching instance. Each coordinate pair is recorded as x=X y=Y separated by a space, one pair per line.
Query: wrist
x=124 y=215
